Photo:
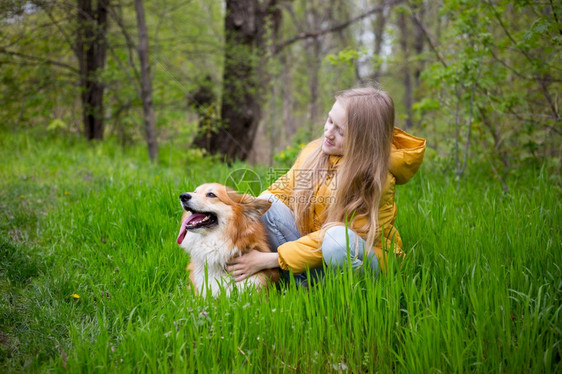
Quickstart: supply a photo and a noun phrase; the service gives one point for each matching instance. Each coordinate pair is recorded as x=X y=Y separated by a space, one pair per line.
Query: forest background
x=253 y=80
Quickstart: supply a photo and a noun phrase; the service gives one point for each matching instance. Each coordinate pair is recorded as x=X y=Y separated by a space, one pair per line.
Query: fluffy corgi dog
x=217 y=225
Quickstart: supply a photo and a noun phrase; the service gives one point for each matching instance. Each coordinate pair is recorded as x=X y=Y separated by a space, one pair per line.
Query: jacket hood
x=406 y=155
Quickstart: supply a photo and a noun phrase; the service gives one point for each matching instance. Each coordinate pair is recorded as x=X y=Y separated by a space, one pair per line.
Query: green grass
x=480 y=289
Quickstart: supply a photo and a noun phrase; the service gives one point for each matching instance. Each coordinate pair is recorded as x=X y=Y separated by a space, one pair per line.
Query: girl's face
x=334 y=130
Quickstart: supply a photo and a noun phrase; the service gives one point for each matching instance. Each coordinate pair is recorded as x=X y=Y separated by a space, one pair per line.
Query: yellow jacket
x=405 y=159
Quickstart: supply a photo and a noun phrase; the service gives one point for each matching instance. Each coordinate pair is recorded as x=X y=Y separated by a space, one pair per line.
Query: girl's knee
x=335 y=245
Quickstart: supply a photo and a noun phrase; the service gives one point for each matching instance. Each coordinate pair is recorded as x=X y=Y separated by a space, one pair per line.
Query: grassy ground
x=91 y=278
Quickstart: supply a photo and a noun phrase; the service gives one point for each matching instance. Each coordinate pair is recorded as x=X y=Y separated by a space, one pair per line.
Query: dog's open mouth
x=196 y=220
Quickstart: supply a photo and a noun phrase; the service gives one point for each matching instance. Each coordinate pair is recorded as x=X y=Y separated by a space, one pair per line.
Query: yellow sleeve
x=301 y=254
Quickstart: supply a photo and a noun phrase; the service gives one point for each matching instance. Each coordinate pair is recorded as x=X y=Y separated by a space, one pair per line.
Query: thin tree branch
x=314 y=34
x=61 y=74
x=555 y=16
x=427 y=36
x=530 y=58
x=61 y=30
x=130 y=43
x=502 y=181
x=39 y=59
x=541 y=80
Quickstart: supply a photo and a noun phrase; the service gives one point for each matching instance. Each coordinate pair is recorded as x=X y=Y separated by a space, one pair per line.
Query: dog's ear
x=254 y=208
x=261 y=205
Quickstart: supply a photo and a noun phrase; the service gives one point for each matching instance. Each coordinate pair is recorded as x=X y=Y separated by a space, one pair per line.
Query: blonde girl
x=339 y=194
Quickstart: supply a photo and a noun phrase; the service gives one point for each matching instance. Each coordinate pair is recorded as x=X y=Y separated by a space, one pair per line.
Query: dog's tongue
x=183 y=231
x=183 y=228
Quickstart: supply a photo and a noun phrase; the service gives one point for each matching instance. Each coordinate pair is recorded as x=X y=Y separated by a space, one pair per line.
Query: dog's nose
x=184 y=197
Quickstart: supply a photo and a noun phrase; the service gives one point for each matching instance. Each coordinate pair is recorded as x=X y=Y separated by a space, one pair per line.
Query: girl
x=339 y=194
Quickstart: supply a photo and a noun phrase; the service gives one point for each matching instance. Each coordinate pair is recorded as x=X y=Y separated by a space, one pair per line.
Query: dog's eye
x=210 y=194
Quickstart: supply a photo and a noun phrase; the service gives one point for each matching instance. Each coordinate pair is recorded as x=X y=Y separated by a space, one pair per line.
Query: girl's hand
x=250 y=263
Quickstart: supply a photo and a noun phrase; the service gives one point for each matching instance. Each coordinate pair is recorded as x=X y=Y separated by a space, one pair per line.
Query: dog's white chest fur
x=210 y=252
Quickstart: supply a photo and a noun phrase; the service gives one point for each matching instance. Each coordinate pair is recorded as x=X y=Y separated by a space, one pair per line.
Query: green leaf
x=425 y=105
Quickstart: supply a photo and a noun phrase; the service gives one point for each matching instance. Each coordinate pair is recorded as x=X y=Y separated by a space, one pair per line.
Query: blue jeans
x=281 y=228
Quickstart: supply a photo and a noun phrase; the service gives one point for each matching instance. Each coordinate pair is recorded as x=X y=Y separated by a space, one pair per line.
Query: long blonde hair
x=361 y=174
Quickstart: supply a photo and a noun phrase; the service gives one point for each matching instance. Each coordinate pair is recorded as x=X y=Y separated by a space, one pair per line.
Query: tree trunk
x=402 y=25
x=91 y=52
x=243 y=77
x=313 y=51
x=378 y=27
x=313 y=47
x=289 y=122
x=240 y=109
x=146 y=83
x=418 y=43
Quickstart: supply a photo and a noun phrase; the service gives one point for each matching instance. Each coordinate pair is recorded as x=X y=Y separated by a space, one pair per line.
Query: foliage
x=346 y=56
x=287 y=156
x=92 y=279
x=33 y=91
x=485 y=82
x=37 y=89
x=496 y=76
